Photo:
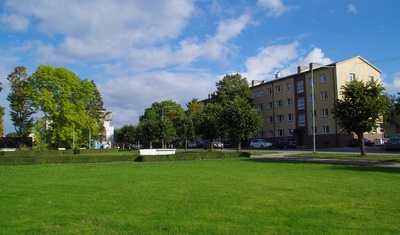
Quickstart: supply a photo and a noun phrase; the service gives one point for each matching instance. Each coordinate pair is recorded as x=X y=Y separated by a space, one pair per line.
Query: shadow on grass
x=362 y=166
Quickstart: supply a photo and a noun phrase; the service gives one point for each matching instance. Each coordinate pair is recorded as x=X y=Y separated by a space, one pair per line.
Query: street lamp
x=313 y=100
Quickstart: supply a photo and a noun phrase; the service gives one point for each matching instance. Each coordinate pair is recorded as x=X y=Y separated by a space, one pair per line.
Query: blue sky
x=141 y=52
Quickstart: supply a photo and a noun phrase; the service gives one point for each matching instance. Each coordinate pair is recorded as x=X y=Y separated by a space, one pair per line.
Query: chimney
x=301 y=69
x=277 y=74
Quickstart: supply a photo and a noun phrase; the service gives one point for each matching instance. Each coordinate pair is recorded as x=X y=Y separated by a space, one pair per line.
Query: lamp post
x=313 y=101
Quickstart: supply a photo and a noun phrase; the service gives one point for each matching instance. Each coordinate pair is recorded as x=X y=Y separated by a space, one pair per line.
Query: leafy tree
x=63 y=98
x=240 y=120
x=194 y=107
x=186 y=129
x=21 y=102
x=160 y=122
x=1 y=115
x=209 y=124
x=362 y=105
x=231 y=86
x=125 y=134
x=95 y=109
x=393 y=115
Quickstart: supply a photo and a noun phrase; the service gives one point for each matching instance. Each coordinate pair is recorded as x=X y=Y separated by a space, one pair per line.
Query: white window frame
x=269 y=91
x=311 y=113
x=325 y=113
x=300 y=86
x=301 y=119
x=279 y=103
x=270 y=133
x=322 y=78
x=260 y=93
x=288 y=86
x=311 y=96
x=278 y=88
x=290 y=117
x=300 y=103
x=290 y=132
x=261 y=107
x=269 y=105
x=289 y=102
x=352 y=77
x=270 y=119
x=324 y=95
x=325 y=130
x=279 y=118
x=280 y=132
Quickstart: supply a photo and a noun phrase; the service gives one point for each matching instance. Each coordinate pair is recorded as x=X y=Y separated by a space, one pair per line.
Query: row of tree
x=56 y=106
x=230 y=114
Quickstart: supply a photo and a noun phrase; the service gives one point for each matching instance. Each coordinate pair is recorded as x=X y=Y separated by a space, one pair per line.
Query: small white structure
x=157 y=151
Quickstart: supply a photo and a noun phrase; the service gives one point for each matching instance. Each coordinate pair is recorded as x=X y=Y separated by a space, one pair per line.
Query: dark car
x=367 y=142
x=285 y=143
x=392 y=144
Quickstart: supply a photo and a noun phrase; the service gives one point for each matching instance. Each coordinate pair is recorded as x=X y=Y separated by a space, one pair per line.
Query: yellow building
x=287 y=102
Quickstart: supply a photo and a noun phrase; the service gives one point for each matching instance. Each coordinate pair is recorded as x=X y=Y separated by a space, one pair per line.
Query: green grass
x=232 y=196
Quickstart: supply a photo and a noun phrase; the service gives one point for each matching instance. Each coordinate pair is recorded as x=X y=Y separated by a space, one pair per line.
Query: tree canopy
x=360 y=108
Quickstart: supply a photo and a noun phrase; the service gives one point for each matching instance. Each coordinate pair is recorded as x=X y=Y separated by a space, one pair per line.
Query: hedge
x=90 y=158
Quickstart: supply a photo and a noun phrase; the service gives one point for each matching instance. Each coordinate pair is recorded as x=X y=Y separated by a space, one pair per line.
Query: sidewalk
x=285 y=156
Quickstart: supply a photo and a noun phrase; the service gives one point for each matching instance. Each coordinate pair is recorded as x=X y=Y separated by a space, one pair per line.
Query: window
x=325 y=129
x=261 y=107
x=324 y=112
x=290 y=117
x=315 y=128
x=260 y=93
x=269 y=105
x=324 y=95
x=269 y=119
x=370 y=78
x=280 y=133
x=289 y=102
x=301 y=119
x=279 y=118
x=269 y=91
x=352 y=77
x=278 y=89
x=315 y=114
x=288 y=86
x=322 y=78
x=270 y=133
x=300 y=103
x=311 y=97
x=261 y=134
x=252 y=95
x=290 y=132
x=279 y=103
x=300 y=86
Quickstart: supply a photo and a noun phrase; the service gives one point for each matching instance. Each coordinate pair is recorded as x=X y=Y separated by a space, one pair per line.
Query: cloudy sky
x=144 y=51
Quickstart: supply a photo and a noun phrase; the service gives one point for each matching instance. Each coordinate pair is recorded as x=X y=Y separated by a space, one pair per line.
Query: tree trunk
x=361 y=144
x=239 y=146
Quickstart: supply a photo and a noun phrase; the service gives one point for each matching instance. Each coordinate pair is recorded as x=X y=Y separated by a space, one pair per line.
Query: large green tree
x=240 y=120
x=361 y=108
x=63 y=98
x=160 y=122
x=209 y=123
x=125 y=134
x=231 y=86
x=21 y=102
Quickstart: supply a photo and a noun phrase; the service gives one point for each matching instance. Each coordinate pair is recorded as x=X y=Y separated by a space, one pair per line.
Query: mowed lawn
x=232 y=196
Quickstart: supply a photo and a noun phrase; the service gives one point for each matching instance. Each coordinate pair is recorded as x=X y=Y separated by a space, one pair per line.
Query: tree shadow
x=362 y=166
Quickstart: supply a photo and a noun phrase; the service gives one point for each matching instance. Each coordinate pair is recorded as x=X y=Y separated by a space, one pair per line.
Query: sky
x=143 y=51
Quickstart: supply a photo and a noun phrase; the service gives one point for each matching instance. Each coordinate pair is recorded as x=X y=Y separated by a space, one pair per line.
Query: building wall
x=328 y=80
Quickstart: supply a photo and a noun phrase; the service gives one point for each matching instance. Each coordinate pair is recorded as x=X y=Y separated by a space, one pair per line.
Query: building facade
x=294 y=104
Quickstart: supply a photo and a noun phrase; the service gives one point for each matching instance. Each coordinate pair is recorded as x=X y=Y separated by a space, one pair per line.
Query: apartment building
x=288 y=108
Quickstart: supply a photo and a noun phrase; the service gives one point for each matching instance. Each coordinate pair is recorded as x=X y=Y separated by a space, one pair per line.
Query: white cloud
x=129 y=96
x=394 y=87
x=351 y=9
x=14 y=22
x=284 y=58
x=274 y=7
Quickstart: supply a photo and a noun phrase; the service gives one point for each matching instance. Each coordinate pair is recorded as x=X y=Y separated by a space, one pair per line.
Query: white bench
x=61 y=149
x=157 y=151
x=9 y=149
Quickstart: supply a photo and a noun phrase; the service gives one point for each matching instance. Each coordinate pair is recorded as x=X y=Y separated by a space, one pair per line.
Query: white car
x=380 y=141
x=260 y=144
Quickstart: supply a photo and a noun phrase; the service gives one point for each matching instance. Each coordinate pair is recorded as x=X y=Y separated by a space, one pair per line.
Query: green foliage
x=230 y=87
x=393 y=115
x=240 y=120
x=21 y=102
x=125 y=134
x=209 y=123
x=70 y=106
x=360 y=109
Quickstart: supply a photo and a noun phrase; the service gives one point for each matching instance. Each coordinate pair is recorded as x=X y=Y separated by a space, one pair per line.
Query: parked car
x=218 y=144
x=380 y=141
x=367 y=143
x=392 y=143
x=285 y=143
x=192 y=145
x=260 y=144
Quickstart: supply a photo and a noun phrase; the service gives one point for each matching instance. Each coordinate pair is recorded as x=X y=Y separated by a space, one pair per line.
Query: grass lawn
x=232 y=196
